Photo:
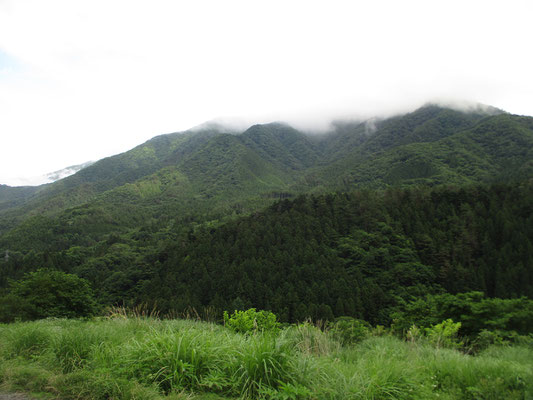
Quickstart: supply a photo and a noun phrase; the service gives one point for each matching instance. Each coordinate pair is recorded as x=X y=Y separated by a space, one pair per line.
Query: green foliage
x=264 y=363
x=444 y=334
x=251 y=321
x=134 y=358
x=176 y=360
x=286 y=391
x=175 y=222
x=48 y=293
x=309 y=339
x=73 y=348
x=486 y=338
x=349 y=330
x=475 y=312
x=27 y=341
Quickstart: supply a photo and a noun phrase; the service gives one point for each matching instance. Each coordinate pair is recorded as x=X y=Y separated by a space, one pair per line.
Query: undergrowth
x=147 y=358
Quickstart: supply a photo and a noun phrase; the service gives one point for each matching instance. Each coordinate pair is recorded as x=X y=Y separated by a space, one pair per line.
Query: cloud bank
x=83 y=80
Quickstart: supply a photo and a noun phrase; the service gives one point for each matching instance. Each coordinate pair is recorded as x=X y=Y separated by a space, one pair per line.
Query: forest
x=363 y=254
x=414 y=238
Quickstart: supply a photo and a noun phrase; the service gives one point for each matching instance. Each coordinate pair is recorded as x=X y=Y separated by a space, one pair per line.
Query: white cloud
x=89 y=79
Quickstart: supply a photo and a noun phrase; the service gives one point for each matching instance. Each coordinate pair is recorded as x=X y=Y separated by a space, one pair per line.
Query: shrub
x=444 y=334
x=349 y=330
x=47 y=293
x=251 y=321
x=414 y=334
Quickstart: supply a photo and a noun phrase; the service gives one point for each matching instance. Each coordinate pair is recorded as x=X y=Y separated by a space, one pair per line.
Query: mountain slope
x=282 y=145
x=359 y=253
x=106 y=174
x=455 y=149
x=163 y=223
x=214 y=174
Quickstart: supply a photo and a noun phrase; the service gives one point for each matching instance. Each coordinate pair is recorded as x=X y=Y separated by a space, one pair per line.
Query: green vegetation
x=364 y=254
x=146 y=358
x=239 y=173
x=418 y=226
x=251 y=321
x=46 y=293
x=477 y=314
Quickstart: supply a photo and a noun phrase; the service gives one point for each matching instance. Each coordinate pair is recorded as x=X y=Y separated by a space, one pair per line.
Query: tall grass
x=136 y=357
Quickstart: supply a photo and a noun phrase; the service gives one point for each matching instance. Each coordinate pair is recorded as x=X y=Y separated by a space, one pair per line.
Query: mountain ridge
x=431 y=145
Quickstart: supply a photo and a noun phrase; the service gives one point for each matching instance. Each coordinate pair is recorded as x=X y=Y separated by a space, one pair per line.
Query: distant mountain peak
x=222 y=125
x=464 y=106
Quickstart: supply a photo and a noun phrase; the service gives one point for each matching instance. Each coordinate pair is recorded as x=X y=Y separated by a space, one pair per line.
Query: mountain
x=157 y=217
x=12 y=196
x=434 y=146
x=229 y=171
x=361 y=253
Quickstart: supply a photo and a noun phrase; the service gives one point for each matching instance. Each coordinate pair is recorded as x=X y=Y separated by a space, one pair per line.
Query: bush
x=48 y=293
x=349 y=330
x=444 y=334
x=251 y=321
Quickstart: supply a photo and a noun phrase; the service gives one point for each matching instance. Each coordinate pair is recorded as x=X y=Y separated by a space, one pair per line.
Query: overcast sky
x=81 y=80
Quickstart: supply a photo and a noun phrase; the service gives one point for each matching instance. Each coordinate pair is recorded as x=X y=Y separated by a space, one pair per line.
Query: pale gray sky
x=81 y=80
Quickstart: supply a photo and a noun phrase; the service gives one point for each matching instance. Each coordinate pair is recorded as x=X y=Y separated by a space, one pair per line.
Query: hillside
x=431 y=145
x=171 y=213
x=359 y=254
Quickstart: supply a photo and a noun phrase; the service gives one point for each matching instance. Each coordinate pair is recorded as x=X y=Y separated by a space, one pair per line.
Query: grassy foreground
x=136 y=358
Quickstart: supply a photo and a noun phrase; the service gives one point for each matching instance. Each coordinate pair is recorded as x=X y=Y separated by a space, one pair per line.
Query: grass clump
x=310 y=340
x=176 y=360
x=461 y=376
x=146 y=358
x=26 y=340
x=73 y=347
x=264 y=363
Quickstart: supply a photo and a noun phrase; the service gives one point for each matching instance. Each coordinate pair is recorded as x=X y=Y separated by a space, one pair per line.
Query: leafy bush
x=251 y=321
x=444 y=334
x=349 y=330
x=473 y=309
x=48 y=293
x=414 y=334
x=485 y=338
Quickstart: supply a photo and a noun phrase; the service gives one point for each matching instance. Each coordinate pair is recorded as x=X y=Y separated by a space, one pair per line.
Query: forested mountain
x=359 y=254
x=364 y=217
x=431 y=145
x=12 y=196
